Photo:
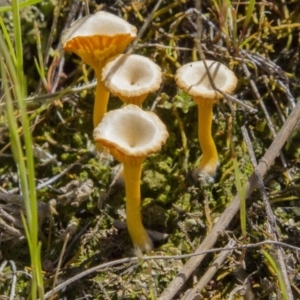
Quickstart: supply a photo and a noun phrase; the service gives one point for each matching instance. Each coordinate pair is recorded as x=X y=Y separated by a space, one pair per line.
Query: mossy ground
x=173 y=203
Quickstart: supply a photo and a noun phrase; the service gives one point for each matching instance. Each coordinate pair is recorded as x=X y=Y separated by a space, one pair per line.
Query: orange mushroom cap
x=97 y=37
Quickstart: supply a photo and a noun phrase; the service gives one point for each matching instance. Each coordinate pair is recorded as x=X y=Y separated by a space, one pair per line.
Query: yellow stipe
x=101 y=100
x=139 y=236
x=138 y=100
x=209 y=160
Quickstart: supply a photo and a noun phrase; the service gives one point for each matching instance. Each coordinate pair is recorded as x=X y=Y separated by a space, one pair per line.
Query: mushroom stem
x=209 y=161
x=101 y=100
x=139 y=236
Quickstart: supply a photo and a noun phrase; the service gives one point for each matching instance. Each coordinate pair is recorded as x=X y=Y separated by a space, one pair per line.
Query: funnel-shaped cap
x=193 y=79
x=131 y=77
x=130 y=132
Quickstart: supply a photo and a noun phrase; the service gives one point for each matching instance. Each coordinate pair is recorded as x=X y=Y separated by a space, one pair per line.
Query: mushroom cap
x=193 y=79
x=131 y=77
x=97 y=37
x=130 y=132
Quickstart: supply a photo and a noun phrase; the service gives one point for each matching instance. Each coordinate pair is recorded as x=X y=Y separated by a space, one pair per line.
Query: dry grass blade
x=144 y=27
x=263 y=107
x=271 y=219
x=211 y=271
x=263 y=166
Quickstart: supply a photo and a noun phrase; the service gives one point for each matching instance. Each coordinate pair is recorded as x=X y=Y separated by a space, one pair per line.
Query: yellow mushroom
x=131 y=134
x=193 y=79
x=96 y=38
x=131 y=77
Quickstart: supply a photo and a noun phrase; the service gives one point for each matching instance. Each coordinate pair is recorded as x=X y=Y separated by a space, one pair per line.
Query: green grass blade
x=12 y=124
x=18 y=44
x=277 y=271
x=25 y=162
x=242 y=195
x=8 y=41
x=234 y=28
x=40 y=62
x=249 y=13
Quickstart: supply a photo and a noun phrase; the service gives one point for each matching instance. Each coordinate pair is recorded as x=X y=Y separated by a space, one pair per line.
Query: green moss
x=154 y=181
x=77 y=140
x=184 y=202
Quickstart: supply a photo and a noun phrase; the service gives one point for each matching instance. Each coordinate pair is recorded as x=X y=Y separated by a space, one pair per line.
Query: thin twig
x=265 y=80
x=268 y=119
x=59 y=263
x=62 y=173
x=71 y=244
x=215 y=266
x=59 y=94
x=53 y=29
x=155 y=45
x=14 y=280
x=144 y=27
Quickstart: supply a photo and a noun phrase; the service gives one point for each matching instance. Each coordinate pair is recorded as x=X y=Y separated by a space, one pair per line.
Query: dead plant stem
x=211 y=271
x=271 y=219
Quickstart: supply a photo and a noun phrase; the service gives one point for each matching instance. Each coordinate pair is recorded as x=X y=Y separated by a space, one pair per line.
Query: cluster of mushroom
x=129 y=133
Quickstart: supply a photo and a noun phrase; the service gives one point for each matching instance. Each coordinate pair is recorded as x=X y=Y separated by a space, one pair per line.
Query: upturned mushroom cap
x=130 y=132
x=193 y=79
x=131 y=77
x=97 y=37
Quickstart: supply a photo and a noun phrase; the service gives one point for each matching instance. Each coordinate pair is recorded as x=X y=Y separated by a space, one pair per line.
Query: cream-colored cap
x=131 y=131
x=193 y=79
x=100 y=23
x=131 y=77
